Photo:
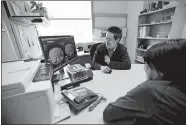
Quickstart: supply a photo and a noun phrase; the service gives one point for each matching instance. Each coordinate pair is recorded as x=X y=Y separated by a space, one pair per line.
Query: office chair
x=92 y=51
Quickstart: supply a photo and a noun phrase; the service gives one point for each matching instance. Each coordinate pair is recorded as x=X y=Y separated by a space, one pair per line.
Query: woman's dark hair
x=169 y=58
x=116 y=31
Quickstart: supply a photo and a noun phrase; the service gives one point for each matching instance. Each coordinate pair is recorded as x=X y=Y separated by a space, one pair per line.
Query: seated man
x=112 y=54
x=162 y=99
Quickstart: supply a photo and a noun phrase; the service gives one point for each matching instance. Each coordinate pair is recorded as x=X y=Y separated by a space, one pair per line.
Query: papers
x=28 y=39
x=62 y=111
x=97 y=34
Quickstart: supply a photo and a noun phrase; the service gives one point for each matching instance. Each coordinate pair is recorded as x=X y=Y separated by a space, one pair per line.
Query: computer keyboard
x=77 y=72
x=43 y=73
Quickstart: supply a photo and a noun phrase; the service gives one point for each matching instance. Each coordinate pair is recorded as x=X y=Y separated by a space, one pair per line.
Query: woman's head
x=166 y=60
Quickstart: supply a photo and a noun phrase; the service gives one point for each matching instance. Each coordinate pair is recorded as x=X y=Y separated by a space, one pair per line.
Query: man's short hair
x=169 y=58
x=116 y=31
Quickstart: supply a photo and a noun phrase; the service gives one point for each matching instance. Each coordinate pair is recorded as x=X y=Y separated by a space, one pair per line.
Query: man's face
x=111 y=43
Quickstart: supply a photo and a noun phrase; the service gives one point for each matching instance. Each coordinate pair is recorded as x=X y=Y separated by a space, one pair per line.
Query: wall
x=134 y=8
x=118 y=7
x=112 y=13
x=184 y=31
x=184 y=27
x=178 y=21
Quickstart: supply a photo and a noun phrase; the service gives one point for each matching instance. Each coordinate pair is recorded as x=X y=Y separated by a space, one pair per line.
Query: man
x=111 y=54
x=161 y=100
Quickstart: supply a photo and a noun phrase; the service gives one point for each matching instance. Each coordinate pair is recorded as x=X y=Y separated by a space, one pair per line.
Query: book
x=144 y=31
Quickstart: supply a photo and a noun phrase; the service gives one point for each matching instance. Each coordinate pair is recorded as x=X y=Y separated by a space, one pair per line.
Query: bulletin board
x=27 y=40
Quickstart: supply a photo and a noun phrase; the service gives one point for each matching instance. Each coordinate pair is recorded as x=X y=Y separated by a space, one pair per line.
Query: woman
x=162 y=98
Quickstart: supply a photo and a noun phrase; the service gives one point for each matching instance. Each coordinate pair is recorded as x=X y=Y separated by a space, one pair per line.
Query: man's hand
x=105 y=69
x=107 y=59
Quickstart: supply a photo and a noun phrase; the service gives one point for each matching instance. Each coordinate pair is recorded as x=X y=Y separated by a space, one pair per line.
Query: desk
x=82 y=53
x=112 y=86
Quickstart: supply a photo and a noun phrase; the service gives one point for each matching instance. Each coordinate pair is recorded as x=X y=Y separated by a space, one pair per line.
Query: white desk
x=83 y=54
x=112 y=86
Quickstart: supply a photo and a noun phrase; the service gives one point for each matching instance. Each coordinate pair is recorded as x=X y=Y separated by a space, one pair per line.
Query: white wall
x=178 y=21
x=184 y=27
x=118 y=7
x=134 y=8
x=184 y=31
x=110 y=7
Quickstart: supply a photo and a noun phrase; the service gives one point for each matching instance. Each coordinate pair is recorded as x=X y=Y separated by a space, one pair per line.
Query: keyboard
x=78 y=72
x=43 y=73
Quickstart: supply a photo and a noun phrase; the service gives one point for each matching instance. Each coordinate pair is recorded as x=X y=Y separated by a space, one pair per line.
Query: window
x=68 y=18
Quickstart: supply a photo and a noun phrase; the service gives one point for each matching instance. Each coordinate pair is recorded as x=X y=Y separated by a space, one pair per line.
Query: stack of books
x=144 y=31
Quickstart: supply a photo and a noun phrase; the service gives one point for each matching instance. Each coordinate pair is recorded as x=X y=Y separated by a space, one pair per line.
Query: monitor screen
x=58 y=50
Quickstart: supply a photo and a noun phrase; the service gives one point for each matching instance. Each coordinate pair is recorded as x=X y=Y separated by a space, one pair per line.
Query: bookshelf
x=159 y=26
x=159 y=23
x=153 y=38
x=158 y=11
x=32 y=20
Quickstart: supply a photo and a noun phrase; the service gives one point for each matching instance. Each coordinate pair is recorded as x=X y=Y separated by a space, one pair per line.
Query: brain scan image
x=56 y=55
x=69 y=49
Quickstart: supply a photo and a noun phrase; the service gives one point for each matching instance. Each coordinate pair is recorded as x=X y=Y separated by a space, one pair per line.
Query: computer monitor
x=58 y=50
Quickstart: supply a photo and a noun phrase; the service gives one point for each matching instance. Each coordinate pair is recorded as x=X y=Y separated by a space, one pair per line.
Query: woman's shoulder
x=150 y=86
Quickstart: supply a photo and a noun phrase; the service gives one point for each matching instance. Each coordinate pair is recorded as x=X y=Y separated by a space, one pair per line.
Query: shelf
x=169 y=22
x=32 y=19
x=157 y=11
x=139 y=61
x=153 y=38
x=144 y=50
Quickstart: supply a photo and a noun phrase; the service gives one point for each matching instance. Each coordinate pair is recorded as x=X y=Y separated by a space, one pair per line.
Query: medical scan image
x=69 y=49
x=56 y=55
